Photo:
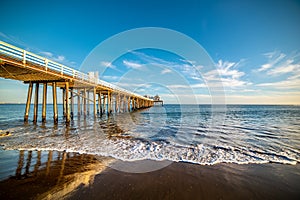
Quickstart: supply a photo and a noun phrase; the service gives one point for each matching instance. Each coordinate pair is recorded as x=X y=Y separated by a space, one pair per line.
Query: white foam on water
x=128 y=149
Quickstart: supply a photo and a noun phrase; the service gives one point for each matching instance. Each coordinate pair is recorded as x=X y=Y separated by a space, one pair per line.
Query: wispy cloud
x=110 y=78
x=14 y=40
x=187 y=86
x=273 y=59
x=133 y=65
x=51 y=56
x=108 y=64
x=132 y=85
x=185 y=67
x=57 y=58
x=290 y=83
x=166 y=71
x=227 y=74
x=282 y=64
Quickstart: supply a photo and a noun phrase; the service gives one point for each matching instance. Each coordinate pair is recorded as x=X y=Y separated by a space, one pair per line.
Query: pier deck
x=19 y=64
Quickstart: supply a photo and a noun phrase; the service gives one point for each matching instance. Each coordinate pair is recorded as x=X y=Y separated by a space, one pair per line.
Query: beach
x=191 y=181
x=75 y=176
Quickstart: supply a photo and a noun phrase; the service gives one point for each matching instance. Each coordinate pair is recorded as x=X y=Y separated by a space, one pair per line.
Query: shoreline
x=83 y=176
x=182 y=180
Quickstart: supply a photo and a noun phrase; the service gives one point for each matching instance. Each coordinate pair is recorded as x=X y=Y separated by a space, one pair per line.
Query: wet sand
x=191 y=181
x=74 y=176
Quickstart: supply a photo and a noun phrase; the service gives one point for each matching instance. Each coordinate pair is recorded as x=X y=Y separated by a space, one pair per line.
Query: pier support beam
x=103 y=104
x=29 y=95
x=88 y=102
x=72 y=104
x=36 y=102
x=78 y=103
x=99 y=104
x=128 y=104
x=44 y=102
x=95 y=102
x=109 y=103
x=84 y=102
x=67 y=102
x=64 y=101
x=55 y=115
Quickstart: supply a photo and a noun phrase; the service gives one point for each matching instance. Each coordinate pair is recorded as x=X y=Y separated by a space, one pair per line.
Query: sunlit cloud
x=273 y=59
x=133 y=65
x=108 y=64
x=283 y=65
x=166 y=71
x=226 y=74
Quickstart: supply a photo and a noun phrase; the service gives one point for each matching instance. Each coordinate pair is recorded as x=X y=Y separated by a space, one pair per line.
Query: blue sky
x=255 y=45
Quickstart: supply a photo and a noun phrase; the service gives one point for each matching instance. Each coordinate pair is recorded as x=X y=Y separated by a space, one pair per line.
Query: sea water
x=201 y=134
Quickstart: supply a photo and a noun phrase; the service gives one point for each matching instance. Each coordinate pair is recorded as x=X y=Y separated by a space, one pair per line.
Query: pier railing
x=27 y=57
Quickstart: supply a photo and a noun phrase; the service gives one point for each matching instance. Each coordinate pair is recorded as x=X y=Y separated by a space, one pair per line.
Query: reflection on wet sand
x=52 y=178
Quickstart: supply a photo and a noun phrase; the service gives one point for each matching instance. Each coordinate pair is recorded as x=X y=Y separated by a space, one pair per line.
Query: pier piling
x=36 y=102
x=44 y=102
x=78 y=103
x=67 y=109
x=95 y=102
x=54 y=94
x=28 y=102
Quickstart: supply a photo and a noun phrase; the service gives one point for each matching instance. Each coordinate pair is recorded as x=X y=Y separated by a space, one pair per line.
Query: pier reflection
x=51 y=174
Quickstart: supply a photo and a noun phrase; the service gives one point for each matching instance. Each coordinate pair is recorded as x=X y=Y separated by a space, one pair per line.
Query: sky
x=254 y=46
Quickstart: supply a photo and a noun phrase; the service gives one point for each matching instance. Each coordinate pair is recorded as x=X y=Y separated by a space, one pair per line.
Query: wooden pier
x=34 y=70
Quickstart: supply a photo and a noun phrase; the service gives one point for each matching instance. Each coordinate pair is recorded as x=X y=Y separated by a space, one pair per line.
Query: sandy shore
x=75 y=176
x=191 y=181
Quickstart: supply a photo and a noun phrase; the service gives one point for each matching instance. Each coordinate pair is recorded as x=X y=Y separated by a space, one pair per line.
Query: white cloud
x=57 y=58
x=273 y=59
x=111 y=78
x=284 y=69
x=60 y=58
x=282 y=64
x=226 y=74
x=46 y=53
x=188 y=86
x=166 y=71
x=185 y=67
x=108 y=64
x=51 y=56
x=132 y=65
x=132 y=85
x=285 y=84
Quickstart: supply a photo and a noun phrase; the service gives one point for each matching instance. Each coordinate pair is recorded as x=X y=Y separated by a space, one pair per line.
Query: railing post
x=24 y=57
x=46 y=64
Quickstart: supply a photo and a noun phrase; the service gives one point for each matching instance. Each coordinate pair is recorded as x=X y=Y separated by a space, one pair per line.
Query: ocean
x=198 y=134
x=190 y=133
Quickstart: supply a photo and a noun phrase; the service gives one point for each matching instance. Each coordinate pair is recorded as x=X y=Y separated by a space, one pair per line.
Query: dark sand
x=74 y=176
x=191 y=181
